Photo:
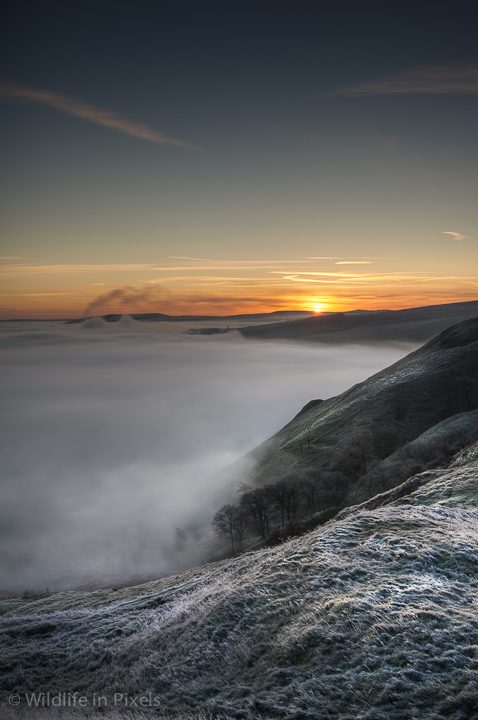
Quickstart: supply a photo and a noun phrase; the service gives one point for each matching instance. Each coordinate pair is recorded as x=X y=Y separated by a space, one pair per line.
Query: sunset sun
x=316 y=305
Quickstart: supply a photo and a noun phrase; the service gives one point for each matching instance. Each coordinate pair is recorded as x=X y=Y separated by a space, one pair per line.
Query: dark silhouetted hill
x=411 y=325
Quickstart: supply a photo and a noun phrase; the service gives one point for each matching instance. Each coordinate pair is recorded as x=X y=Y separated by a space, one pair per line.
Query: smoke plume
x=129 y=298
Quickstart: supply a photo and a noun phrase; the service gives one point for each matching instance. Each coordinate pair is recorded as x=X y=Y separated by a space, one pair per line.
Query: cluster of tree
x=265 y=510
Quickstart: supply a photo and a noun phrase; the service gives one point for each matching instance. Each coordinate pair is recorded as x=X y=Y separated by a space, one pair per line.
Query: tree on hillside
x=231 y=522
x=258 y=506
x=307 y=435
x=285 y=496
x=311 y=485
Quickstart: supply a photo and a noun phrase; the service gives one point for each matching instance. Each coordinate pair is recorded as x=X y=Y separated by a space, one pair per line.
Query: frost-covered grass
x=51 y=713
x=374 y=616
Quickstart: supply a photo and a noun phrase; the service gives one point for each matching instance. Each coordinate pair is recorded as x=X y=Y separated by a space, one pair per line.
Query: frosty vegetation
x=371 y=616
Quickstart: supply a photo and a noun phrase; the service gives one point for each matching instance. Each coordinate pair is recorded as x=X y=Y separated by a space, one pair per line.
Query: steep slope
x=356 y=431
x=371 y=616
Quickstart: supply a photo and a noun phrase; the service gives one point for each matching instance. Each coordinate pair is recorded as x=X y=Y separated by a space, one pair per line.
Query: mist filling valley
x=114 y=435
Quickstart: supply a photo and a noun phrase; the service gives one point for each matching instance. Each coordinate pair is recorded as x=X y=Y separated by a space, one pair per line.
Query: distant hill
x=277 y=316
x=359 y=326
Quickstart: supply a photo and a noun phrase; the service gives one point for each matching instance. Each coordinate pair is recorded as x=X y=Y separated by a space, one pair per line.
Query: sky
x=114 y=434
x=210 y=157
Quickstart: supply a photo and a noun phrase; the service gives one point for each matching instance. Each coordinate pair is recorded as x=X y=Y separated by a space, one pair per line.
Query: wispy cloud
x=355 y=262
x=30 y=269
x=42 y=294
x=349 y=280
x=233 y=263
x=26 y=269
x=11 y=91
x=328 y=274
x=448 y=79
x=455 y=235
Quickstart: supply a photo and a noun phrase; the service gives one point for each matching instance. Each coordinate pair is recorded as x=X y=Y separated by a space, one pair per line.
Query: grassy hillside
x=360 y=432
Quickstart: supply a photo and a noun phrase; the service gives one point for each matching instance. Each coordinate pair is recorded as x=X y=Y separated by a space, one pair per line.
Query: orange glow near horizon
x=194 y=286
x=48 y=307
x=73 y=305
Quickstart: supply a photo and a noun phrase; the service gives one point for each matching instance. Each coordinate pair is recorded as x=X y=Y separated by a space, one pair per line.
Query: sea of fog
x=113 y=435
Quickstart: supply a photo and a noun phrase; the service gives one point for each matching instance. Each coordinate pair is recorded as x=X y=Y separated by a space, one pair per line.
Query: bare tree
x=285 y=497
x=258 y=506
x=231 y=522
x=311 y=485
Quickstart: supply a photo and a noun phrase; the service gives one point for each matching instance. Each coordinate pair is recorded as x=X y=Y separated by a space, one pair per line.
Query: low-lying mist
x=115 y=434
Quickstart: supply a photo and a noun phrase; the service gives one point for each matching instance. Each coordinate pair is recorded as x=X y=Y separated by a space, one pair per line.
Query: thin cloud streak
x=26 y=269
x=405 y=279
x=14 y=92
x=245 y=263
x=455 y=235
x=40 y=294
x=225 y=266
x=197 y=279
x=334 y=274
x=447 y=79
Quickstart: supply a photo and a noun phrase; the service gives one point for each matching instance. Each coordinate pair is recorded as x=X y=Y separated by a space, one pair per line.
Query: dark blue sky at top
x=204 y=65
